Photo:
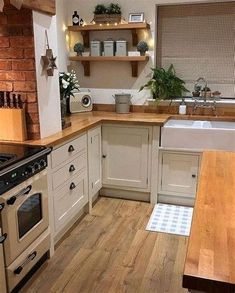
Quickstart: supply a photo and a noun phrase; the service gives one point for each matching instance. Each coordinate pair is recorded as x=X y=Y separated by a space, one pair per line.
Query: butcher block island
x=210 y=260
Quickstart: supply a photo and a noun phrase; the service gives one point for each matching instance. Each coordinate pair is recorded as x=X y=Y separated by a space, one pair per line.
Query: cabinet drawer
x=74 y=167
x=39 y=248
x=69 y=200
x=68 y=150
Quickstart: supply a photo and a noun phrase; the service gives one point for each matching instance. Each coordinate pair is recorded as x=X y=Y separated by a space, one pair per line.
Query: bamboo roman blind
x=199 y=40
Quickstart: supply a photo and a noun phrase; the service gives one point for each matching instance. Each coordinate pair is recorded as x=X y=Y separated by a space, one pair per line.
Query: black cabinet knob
x=72 y=168
x=72 y=186
x=11 y=200
x=104 y=156
x=194 y=176
x=71 y=149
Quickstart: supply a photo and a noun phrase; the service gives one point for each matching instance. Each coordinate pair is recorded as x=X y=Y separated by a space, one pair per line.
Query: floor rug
x=171 y=219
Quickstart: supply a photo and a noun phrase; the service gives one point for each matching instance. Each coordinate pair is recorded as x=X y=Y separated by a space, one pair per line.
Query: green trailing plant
x=79 y=48
x=165 y=85
x=142 y=47
x=110 y=9
x=100 y=9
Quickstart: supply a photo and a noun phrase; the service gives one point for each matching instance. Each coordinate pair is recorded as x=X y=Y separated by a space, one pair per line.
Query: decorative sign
x=49 y=61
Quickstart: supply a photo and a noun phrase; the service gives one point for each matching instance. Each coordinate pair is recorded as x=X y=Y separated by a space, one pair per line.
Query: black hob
x=20 y=162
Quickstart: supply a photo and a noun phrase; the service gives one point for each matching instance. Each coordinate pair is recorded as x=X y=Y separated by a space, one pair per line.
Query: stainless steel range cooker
x=24 y=218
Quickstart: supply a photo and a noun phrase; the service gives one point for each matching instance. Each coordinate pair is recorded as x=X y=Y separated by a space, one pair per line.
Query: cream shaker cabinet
x=68 y=183
x=94 y=161
x=125 y=156
x=178 y=173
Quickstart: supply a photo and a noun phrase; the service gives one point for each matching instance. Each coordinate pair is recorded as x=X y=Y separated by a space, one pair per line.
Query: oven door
x=2 y=264
x=25 y=215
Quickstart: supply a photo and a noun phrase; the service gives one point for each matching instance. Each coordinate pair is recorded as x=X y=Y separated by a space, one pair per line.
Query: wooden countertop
x=84 y=121
x=210 y=260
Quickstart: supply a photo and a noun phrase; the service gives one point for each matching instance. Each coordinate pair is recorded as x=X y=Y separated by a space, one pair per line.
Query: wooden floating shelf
x=105 y=27
x=132 y=59
x=86 y=29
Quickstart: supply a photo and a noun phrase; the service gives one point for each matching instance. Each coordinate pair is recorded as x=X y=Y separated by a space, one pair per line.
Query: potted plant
x=165 y=85
x=107 y=14
x=68 y=83
x=142 y=47
x=79 y=49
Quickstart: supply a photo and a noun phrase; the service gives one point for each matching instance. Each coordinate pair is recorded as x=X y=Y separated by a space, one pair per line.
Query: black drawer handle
x=72 y=186
x=3 y=238
x=30 y=258
x=2 y=205
x=71 y=149
x=72 y=168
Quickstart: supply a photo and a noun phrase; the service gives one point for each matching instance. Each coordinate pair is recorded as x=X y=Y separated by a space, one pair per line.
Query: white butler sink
x=194 y=134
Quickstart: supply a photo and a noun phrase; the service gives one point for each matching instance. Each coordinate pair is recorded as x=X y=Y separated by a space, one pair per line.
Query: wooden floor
x=110 y=251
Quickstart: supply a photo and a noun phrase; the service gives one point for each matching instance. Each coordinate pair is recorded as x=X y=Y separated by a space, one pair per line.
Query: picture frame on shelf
x=136 y=17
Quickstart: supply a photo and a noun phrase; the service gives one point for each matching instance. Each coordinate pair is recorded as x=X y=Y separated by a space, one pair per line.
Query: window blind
x=199 y=40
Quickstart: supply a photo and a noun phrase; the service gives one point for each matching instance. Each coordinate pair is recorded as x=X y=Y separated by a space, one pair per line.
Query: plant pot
x=63 y=108
x=107 y=18
x=79 y=53
x=142 y=53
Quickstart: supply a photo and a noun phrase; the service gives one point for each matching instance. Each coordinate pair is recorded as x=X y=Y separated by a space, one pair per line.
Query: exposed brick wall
x=17 y=62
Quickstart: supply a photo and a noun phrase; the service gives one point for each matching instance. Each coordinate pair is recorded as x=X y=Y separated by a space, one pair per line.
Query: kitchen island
x=210 y=260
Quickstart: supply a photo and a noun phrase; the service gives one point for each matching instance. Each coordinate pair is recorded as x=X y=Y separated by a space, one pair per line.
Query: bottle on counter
x=182 y=107
x=75 y=18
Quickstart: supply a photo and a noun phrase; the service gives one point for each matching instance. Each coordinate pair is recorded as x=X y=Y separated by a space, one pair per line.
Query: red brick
x=28 y=30
x=3 y=19
x=6 y=86
x=23 y=64
x=19 y=18
x=12 y=76
x=32 y=118
x=29 y=53
x=31 y=98
x=11 y=53
x=14 y=30
x=26 y=86
x=32 y=108
x=21 y=42
x=4 y=42
x=5 y=65
x=34 y=136
x=30 y=75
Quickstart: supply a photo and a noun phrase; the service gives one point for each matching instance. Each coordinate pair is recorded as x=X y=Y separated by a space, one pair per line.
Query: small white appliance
x=81 y=102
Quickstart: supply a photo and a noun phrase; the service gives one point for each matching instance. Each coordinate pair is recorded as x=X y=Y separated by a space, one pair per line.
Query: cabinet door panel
x=125 y=152
x=94 y=160
x=179 y=173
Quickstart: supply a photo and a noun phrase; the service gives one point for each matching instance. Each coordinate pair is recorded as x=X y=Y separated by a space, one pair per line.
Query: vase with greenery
x=79 y=48
x=107 y=13
x=142 y=47
x=165 y=85
x=68 y=84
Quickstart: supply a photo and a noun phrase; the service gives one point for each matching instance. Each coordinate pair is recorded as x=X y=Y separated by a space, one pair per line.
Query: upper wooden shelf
x=86 y=29
x=105 y=27
x=132 y=59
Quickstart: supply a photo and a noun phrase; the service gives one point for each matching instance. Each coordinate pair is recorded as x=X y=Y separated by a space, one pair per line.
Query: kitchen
x=75 y=202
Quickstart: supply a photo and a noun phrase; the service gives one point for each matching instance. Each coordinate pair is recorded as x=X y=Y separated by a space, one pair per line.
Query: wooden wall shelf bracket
x=135 y=39
x=86 y=38
x=86 y=67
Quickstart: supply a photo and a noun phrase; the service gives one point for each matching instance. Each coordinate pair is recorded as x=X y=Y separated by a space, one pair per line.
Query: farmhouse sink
x=196 y=134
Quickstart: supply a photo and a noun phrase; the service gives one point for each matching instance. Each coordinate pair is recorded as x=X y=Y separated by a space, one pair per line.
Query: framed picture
x=136 y=17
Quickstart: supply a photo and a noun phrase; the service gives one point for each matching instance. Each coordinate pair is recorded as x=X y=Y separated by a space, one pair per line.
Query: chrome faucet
x=202 y=84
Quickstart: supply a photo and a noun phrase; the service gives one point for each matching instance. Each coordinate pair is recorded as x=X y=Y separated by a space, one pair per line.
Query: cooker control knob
x=30 y=170
x=37 y=166
x=43 y=163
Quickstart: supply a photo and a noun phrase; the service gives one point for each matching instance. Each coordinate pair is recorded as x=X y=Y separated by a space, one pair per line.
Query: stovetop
x=10 y=154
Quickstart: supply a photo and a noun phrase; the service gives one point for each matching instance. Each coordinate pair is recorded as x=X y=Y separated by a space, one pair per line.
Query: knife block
x=13 y=125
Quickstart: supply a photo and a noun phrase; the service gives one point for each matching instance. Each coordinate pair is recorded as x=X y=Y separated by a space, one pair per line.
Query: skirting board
x=125 y=194
x=177 y=200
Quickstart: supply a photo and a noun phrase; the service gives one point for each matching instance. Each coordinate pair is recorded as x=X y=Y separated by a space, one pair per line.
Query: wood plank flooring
x=110 y=251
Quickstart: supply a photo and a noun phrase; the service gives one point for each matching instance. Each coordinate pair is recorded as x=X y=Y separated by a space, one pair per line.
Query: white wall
x=47 y=87
x=108 y=78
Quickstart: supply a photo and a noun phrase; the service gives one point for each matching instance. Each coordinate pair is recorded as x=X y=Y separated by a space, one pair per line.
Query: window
x=199 y=40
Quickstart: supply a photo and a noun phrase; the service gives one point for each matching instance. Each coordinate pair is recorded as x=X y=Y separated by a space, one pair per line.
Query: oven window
x=29 y=214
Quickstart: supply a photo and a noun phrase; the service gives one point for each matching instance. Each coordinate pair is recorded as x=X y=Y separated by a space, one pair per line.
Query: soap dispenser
x=182 y=107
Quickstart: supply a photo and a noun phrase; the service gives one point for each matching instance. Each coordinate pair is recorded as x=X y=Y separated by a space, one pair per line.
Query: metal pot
x=123 y=102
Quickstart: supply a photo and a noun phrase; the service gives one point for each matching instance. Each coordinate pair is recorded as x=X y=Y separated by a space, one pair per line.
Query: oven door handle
x=24 y=191
x=30 y=258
